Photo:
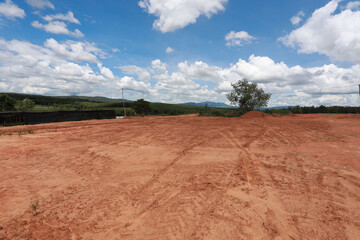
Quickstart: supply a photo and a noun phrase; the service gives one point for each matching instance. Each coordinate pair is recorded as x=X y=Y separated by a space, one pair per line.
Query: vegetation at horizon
x=46 y=104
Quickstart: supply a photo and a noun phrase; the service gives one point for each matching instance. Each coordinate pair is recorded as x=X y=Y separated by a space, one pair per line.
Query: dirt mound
x=255 y=114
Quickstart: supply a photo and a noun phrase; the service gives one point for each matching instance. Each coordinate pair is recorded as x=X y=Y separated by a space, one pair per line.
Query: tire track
x=164 y=170
x=246 y=160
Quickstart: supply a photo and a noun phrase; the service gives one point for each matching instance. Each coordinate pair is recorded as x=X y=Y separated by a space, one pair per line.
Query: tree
x=206 y=105
x=296 y=110
x=248 y=96
x=79 y=106
x=141 y=106
x=25 y=105
x=7 y=103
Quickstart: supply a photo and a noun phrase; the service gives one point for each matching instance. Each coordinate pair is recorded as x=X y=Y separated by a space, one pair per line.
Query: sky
x=303 y=52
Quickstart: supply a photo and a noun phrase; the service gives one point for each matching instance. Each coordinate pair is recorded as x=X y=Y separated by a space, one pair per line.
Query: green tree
x=206 y=105
x=7 y=103
x=141 y=106
x=79 y=106
x=25 y=105
x=248 y=96
x=296 y=110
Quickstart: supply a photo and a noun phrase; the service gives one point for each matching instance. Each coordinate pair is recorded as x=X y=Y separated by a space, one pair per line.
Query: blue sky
x=304 y=52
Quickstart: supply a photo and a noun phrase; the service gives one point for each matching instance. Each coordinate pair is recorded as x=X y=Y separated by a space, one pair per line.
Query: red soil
x=255 y=114
x=183 y=177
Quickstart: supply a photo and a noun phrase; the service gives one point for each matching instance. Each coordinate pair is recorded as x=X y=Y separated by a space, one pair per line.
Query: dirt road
x=185 y=177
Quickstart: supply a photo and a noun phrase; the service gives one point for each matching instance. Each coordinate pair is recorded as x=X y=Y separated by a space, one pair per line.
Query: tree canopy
x=248 y=96
x=7 y=103
x=141 y=106
x=25 y=105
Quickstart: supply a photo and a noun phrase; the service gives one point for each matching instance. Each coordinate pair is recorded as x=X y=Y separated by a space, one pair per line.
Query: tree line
x=247 y=96
x=325 y=109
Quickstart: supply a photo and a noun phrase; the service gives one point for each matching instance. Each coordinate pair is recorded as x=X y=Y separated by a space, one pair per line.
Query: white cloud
x=336 y=35
x=65 y=68
x=290 y=85
x=353 y=5
x=175 y=14
x=328 y=84
x=40 y=4
x=57 y=27
x=177 y=87
x=130 y=83
x=295 y=20
x=75 y=51
x=159 y=67
x=201 y=71
x=143 y=74
x=106 y=72
x=169 y=50
x=115 y=50
x=29 y=68
x=10 y=10
x=69 y=17
x=238 y=38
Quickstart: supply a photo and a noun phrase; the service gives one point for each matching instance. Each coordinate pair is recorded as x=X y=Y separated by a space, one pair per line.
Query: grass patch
x=34 y=207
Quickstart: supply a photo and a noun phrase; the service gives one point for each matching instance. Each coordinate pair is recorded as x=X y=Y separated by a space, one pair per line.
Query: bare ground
x=186 y=177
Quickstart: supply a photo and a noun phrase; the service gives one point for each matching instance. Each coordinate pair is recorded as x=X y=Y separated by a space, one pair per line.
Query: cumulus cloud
x=72 y=67
x=142 y=74
x=10 y=10
x=41 y=4
x=106 y=72
x=290 y=85
x=69 y=17
x=295 y=20
x=130 y=83
x=201 y=71
x=328 y=84
x=238 y=38
x=159 y=67
x=169 y=50
x=30 y=68
x=353 y=5
x=57 y=27
x=177 y=87
x=174 y=14
x=75 y=51
x=326 y=32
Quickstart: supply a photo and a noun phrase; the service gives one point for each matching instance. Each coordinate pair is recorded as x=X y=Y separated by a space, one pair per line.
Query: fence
x=11 y=118
x=14 y=118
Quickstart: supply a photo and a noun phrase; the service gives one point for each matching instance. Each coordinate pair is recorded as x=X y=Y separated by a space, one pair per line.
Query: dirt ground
x=183 y=177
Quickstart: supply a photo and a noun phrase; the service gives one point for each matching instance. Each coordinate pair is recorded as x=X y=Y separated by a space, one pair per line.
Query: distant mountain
x=210 y=104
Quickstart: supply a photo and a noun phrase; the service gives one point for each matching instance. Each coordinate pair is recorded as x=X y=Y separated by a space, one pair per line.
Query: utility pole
x=122 y=90
x=359 y=89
